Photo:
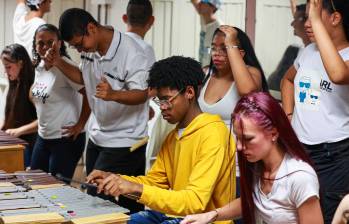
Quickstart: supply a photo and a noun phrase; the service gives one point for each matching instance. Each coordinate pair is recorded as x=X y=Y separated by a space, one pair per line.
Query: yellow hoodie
x=192 y=173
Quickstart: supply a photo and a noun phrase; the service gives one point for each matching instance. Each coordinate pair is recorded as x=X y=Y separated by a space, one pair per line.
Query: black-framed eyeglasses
x=167 y=103
x=79 y=45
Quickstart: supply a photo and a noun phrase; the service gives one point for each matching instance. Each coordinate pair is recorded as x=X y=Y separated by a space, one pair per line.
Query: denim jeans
x=58 y=155
x=331 y=161
x=152 y=217
x=28 y=150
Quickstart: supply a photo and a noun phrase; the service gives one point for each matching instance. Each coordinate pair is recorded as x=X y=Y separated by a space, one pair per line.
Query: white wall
x=177 y=26
x=273 y=32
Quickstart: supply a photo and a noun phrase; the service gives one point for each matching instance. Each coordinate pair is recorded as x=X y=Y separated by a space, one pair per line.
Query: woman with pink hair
x=278 y=183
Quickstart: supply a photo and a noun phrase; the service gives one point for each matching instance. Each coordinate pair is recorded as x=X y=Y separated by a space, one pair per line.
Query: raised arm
x=287 y=91
x=72 y=72
x=293 y=5
x=54 y=58
x=195 y=4
x=336 y=68
x=247 y=79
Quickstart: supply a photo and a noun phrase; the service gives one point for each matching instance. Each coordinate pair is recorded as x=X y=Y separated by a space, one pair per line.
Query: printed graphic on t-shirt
x=42 y=86
x=40 y=92
x=309 y=88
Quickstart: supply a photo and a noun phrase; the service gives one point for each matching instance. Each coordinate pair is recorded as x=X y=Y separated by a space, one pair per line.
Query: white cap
x=35 y=3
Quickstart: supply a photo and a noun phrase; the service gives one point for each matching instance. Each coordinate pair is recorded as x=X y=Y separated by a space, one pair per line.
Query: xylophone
x=22 y=201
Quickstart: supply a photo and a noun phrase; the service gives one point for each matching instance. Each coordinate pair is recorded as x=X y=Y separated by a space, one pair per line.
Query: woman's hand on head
x=315 y=7
x=231 y=35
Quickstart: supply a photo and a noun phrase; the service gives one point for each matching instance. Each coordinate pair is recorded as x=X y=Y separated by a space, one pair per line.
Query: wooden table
x=11 y=153
x=11 y=158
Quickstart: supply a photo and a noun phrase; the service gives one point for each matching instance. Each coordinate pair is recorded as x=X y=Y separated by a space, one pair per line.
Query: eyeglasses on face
x=79 y=45
x=167 y=102
x=218 y=50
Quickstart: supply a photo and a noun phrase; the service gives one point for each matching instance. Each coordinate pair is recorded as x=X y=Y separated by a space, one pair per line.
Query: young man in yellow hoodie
x=195 y=169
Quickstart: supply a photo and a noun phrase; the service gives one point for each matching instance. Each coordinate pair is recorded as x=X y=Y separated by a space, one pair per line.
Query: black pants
x=331 y=162
x=116 y=160
x=58 y=155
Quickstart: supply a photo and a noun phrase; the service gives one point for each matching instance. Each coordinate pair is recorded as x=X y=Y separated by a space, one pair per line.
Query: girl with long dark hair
x=62 y=111
x=278 y=183
x=234 y=71
x=315 y=97
x=20 y=115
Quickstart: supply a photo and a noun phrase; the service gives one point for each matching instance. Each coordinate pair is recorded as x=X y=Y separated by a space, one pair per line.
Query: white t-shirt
x=206 y=36
x=124 y=66
x=298 y=184
x=321 y=112
x=57 y=101
x=148 y=49
x=223 y=108
x=149 y=53
x=23 y=31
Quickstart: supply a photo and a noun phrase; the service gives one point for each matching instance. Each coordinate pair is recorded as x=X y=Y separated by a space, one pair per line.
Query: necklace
x=272 y=172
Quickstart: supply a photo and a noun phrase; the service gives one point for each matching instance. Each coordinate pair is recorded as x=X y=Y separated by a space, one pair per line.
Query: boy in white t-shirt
x=26 y=22
x=113 y=70
x=139 y=19
x=209 y=23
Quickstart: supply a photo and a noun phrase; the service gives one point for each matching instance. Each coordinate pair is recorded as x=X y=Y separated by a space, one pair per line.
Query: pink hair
x=266 y=112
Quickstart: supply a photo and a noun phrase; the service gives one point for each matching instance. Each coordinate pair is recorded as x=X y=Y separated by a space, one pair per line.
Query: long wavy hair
x=249 y=58
x=19 y=110
x=267 y=114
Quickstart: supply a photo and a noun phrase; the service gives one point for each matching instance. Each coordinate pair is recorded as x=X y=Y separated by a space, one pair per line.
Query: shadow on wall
x=287 y=60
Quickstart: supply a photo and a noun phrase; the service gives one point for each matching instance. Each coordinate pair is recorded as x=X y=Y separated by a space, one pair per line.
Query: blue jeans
x=152 y=217
x=28 y=150
x=58 y=155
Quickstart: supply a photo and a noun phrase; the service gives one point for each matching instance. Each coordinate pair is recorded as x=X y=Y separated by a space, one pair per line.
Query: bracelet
x=231 y=46
x=216 y=216
x=289 y=114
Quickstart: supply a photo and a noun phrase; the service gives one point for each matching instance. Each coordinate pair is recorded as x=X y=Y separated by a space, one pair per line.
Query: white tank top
x=224 y=107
